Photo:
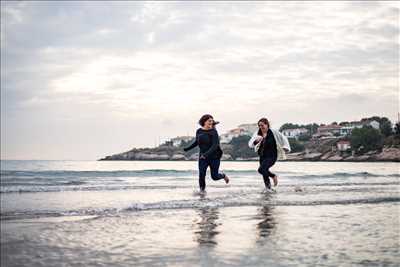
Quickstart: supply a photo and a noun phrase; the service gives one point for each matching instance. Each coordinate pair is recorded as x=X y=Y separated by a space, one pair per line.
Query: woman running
x=210 y=152
x=271 y=146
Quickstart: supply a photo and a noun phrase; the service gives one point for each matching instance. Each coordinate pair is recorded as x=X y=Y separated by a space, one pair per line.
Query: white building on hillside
x=374 y=124
x=346 y=130
x=343 y=145
x=249 y=128
x=178 y=140
x=294 y=133
x=331 y=129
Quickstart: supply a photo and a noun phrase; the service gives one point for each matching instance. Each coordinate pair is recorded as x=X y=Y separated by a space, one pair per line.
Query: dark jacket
x=208 y=142
x=268 y=147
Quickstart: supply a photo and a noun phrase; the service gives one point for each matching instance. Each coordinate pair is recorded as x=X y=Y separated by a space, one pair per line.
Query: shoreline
x=254 y=160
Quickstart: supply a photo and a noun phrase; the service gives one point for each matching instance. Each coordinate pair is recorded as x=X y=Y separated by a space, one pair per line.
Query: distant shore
x=386 y=155
x=321 y=149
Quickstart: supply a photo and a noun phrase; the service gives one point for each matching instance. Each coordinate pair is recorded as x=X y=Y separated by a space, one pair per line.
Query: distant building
x=227 y=137
x=249 y=128
x=331 y=129
x=343 y=145
x=294 y=133
x=177 y=141
x=346 y=130
x=357 y=124
x=374 y=124
x=168 y=143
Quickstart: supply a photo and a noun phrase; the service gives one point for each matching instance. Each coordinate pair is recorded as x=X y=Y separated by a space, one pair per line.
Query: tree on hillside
x=312 y=128
x=366 y=139
x=240 y=147
x=304 y=137
x=386 y=128
x=385 y=125
x=289 y=125
x=295 y=145
x=397 y=128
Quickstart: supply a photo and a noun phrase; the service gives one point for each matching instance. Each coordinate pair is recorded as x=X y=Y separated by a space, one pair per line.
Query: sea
x=150 y=213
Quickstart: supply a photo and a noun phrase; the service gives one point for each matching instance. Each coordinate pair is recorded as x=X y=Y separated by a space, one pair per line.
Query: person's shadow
x=205 y=228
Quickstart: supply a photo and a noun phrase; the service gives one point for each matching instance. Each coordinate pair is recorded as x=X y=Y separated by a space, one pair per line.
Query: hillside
x=237 y=149
x=369 y=139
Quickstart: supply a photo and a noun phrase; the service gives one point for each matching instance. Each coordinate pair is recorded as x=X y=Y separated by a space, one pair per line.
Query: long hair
x=265 y=121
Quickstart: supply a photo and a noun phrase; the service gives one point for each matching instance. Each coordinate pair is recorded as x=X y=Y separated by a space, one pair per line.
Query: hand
x=258 y=139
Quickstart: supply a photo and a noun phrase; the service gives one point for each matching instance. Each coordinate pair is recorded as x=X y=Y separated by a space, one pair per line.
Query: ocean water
x=149 y=213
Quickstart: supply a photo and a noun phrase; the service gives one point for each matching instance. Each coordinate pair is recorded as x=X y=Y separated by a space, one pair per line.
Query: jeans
x=214 y=166
x=265 y=164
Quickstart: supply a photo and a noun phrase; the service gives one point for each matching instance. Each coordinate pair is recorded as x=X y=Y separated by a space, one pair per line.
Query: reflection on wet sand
x=206 y=226
x=267 y=222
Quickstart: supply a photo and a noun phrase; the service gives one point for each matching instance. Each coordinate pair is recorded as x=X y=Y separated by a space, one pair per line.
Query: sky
x=82 y=80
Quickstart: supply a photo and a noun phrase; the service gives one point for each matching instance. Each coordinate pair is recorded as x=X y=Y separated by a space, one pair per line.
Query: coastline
x=255 y=160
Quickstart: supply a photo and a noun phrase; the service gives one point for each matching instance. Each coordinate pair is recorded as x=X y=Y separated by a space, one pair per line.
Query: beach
x=148 y=213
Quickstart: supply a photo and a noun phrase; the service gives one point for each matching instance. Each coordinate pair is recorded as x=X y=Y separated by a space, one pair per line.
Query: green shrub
x=304 y=137
x=295 y=145
x=366 y=139
x=240 y=147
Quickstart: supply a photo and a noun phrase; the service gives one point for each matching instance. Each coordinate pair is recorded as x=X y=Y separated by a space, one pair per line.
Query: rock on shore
x=388 y=154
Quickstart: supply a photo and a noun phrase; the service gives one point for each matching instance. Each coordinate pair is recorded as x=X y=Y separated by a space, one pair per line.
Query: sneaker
x=267 y=185
x=270 y=191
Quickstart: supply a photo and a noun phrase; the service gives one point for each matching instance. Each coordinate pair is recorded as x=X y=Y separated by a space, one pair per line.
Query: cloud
x=150 y=69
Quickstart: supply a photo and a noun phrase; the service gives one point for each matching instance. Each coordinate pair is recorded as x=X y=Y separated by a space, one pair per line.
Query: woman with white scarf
x=271 y=145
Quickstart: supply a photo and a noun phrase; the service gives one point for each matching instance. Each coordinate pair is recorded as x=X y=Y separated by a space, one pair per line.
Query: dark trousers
x=214 y=167
x=265 y=164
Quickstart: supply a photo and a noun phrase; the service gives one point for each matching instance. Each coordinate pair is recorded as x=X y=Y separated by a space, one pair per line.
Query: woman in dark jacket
x=270 y=145
x=210 y=152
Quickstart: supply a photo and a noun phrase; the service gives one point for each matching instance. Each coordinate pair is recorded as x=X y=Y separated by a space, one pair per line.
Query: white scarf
x=281 y=143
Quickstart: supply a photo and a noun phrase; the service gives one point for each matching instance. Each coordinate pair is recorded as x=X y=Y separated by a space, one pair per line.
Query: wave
x=11 y=174
x=81 y=186
x=346 y=174
x=121 y=173
x=191 y=204
x=366 y=174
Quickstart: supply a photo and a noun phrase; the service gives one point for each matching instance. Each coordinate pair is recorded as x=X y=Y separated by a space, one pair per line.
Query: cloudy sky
x=81 y=80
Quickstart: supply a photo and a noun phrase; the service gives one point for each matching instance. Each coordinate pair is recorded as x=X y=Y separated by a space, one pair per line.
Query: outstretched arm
x=193 y=145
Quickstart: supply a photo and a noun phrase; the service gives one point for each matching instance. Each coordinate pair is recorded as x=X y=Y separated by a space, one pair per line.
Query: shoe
x=226 y=178
x=275 y=179
x=270 y=191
